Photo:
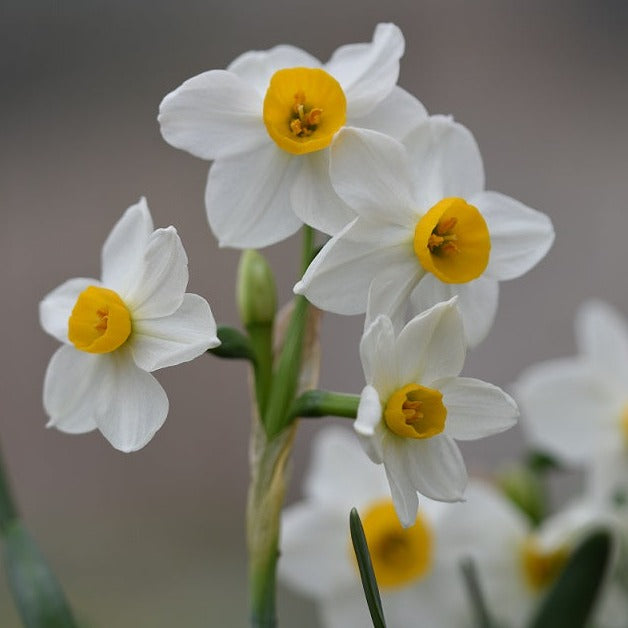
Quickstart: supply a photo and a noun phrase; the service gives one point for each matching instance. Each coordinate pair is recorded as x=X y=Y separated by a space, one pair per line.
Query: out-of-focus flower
x=268 y=121
x=414 y=405
x=317 y=559
x=517 y=565
x=426 y=229
x=136 y=319
x=577 y=408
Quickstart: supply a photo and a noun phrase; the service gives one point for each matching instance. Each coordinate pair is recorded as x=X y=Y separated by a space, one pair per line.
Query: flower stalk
x=273 y=425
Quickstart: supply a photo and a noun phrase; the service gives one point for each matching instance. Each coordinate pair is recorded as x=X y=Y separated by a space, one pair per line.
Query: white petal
x=404 y=494
x=314 y=199
x=370 y=172
x=346 y=608
x=437 y=468
x=315 y=546
x=123 y=250
x=434 y=467
x=446 y=160
x=338 y=278
x=248 y=198
x=437 y=600
x=137 y=408
x=56 y=306
x=520 y=236
x=368 y=72
x=390 y=290
x=160 y=342
x=431 y=345
x=377 y=353
x=602 y=337
x=73 y=390
x=569 y=410
x=367 y=422
x=256 y=67
x=340 y=472
x=158 y=288
x=396 y=115
x=476 y=409
x=487 y=528
x=215 y=114
x=477 y=302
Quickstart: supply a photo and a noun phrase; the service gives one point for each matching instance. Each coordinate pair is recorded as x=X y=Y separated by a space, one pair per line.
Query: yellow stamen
x=303 y=109
x=452 y=241
x=399 y=555
x=100 y=321
x=541 y=567
x=415 y=412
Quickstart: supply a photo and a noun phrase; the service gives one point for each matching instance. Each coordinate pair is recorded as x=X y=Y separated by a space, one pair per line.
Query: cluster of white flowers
x=415 y=243
x=340 y=147
x=418 y=568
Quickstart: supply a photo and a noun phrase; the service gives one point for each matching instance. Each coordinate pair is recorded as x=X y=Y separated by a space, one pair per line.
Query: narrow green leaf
x=38 y=595
x=369 y=584
x=233 y=344
x=570 y=601
x=476 y=597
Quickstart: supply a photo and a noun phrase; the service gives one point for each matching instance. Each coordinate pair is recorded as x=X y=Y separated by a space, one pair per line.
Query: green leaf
x=570 y=601
x=542 y=462
x=38 y=595
x=476 y=597
x=233 y=344
x=369 y=584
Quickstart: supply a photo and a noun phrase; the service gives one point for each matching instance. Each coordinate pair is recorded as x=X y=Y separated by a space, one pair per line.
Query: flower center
x=541 y=567
x=100 y=322
x=452 y=241
x=415 y=412
x=399 y=555
x=303 y=109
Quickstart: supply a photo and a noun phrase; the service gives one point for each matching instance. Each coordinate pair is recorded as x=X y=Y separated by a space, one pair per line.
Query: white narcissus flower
x=577 y=408
x=516 y=564
x=136 y=319
x=414 y=405
x=268 y=120
x=426 y=229
x=418 y=588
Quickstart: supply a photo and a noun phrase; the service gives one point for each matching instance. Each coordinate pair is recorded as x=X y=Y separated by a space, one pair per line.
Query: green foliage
x=572 y=598
x=38 y=595
x=369 y=584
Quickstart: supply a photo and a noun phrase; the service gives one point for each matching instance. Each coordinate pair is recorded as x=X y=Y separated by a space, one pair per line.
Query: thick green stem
x=271 y=442
x=266 y=496
x=319 y=403
x=261 y=336
x=286 y=377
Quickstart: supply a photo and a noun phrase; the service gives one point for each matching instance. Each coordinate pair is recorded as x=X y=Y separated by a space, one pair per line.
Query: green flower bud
x=256 y=293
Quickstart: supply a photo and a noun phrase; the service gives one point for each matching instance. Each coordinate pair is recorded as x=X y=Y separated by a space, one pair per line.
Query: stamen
x=415 y=412
x=303 y=109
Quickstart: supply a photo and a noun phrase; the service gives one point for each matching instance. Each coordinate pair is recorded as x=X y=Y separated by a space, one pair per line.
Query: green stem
x=319 y=403
x=234 y=345
x=261 y=336
x=285 y=381
x=266 y=496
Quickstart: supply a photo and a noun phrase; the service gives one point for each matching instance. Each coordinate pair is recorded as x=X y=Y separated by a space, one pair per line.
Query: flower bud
x=256 y=293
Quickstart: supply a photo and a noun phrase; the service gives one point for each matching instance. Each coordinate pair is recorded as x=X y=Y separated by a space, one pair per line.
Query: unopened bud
x=256 y=293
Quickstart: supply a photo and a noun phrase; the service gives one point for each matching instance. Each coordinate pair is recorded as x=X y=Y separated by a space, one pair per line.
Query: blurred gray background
x=155 y=539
